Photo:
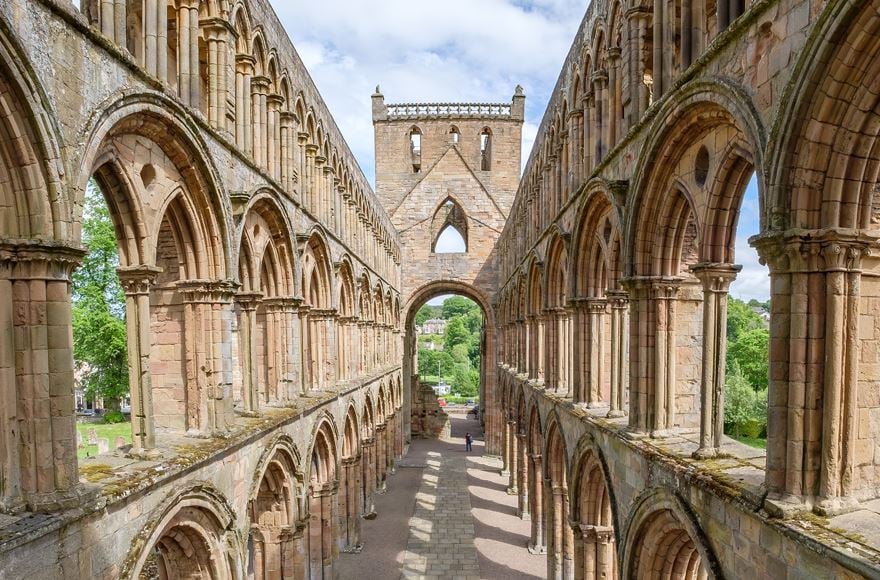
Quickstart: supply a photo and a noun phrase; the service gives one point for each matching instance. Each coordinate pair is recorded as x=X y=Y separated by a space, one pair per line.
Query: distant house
x=434 y=326
x=441 y=389
x=762 y=312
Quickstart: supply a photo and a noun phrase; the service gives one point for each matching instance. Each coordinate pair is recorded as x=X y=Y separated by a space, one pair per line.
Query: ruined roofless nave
x=271 y=292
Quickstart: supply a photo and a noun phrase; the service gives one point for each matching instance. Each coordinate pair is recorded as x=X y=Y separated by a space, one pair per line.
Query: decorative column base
x=537 y=550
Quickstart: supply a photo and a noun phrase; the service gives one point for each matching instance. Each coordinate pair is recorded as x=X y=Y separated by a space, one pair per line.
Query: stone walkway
x=446 y=516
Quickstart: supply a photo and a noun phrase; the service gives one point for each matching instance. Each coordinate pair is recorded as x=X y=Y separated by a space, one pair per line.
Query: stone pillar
x=37 y=423
x=536 y=478
x=652 y=360
x=244 y=71
x=600 y=88
x=576 y=144
x=217 y=34
x=523 y=483
x=136 y=282
x=613 y=96
x=619 y=301
x=506 y=435
x=598 y=555
x=814 y=440
x=595 y=370
x=512 y=487
x=351 y=522
x=590 y=127
x=309 y=189
x=282 y=317
x=716 y=279
x=273 y=135
x=369 y=476
x=247 y=325
x=260 y=121
x=288 y=175
x=659 y=46
x=208 y=353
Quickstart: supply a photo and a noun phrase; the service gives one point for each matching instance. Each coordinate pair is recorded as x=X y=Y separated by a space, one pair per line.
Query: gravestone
x=103 y=445
x=120 y=442
x=79 y=439
x=93 y=436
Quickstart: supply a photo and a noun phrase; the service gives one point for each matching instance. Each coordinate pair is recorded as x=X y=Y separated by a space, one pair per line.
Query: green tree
x=473 y=320
x=457 y=306
x=100 y=344
x=739 y=399
x=741 y=319
x=751 y=353
x=456 y=333
x=463 y=381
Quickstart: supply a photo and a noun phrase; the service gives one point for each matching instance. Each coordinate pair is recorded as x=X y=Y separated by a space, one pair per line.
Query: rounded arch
x=164 y=123
x=323 y=451
x=591 y=489
x=824 y=155
x=596 y=242
x=266 y=228
x=192 y=530
x=33 y=203
x=439 y=287
x=317 y=272
x=695 y=110
x=663 y=540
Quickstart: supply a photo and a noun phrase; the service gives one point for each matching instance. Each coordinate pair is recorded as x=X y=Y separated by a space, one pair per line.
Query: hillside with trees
x=455 y=354
x=748 y=344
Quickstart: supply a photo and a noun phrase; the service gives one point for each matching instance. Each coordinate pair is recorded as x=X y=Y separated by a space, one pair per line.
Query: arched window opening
x=454 y=135
x=449 y=229
x=486 y=149
x=450 y=241
x=748 y=333
x=415 y=149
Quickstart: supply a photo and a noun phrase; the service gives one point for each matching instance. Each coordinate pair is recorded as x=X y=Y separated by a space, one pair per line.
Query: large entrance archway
x=487 y=387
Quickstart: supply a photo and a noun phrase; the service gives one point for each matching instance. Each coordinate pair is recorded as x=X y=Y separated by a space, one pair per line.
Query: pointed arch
x=449 y=214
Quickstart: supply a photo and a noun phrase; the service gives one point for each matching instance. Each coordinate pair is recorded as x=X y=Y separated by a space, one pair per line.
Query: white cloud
x=418 y=51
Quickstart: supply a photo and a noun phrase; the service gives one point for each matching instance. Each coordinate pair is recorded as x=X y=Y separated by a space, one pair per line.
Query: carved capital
x=31 y=260
x=716 y=277
x=136 y=280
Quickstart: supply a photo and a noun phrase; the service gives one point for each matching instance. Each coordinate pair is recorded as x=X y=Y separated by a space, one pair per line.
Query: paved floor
x=446 y=515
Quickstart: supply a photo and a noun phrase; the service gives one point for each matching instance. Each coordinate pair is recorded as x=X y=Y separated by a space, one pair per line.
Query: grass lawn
x=109 y=432
x=756 y=442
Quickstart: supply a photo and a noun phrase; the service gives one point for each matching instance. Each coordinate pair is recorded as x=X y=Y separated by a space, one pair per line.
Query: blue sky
x=417 y=52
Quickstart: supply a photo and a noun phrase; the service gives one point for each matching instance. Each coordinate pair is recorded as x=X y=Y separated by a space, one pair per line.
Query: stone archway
x=490 y=399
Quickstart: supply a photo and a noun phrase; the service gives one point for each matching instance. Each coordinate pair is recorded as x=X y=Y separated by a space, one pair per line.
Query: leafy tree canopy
x=457 y=306
x=100 y=342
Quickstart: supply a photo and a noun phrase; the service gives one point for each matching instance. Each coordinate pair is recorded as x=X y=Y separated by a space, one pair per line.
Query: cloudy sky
x=470 y=50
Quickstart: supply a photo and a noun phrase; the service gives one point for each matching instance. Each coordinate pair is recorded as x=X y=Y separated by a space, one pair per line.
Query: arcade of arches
x=271 y=292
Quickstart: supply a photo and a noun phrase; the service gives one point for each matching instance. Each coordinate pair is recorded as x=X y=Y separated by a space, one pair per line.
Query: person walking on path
x=468 y=442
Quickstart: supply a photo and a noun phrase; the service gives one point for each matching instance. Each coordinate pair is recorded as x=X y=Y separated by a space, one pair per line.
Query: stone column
x=244 y=71
x=369 y=476
x=208 y=353
x=659 y=73
x=523 y=483
x=716 y=279
x=595 y=371
x=599 y=556
x=309 y=189
x=506 y=434
x=652 y=398
x=351 y=521
x=536 y=478
x=259 y=93
x=136 y=282
x=619 y=301
x=590 y=128
x=37 y=423
x=273 y=135
x=815 y=372
x=248 y=303
x=602 y=116
x=217 y=34
x=613 y=96
x=288 y=177
x=512 y=488
x=576 y=143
